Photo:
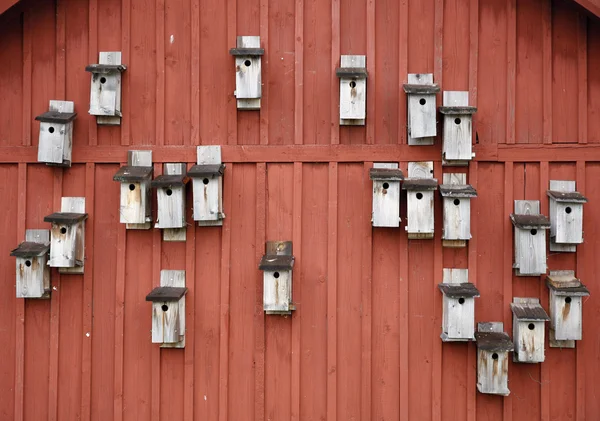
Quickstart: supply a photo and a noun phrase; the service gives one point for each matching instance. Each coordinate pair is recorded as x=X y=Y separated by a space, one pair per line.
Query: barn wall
x=364 y=342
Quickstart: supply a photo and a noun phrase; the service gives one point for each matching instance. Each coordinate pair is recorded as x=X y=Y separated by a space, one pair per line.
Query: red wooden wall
x=364 y=343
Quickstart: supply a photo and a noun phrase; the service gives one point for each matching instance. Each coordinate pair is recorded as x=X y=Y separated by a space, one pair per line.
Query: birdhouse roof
x=493 y=341
x=567 y=197
x=457 y=190
x=160 y=294
x=386 y=174
x=530 y=221
x=421 y=89
x=173 y=180
x=30 y=249
x=206 y=170
x=56 y=117
x=464 y=290
x=271 y=262
x=130 y=173
x=68 y=218
x=420 y=184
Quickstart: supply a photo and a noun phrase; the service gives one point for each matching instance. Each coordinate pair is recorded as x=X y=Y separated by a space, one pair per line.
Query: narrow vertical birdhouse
x=528 y=330
x=135 y=179
x=353 y=90
x=566 y=216
x=248 y=84
x=566 y=306
x=207 y=184
x=170 y=192
x=530 y=238
x=419 y=187
x=493 y=346
x=168 y=309
x=56 y=133
x=386 y=194
x=67 y=236
x=105 y=92
x=456 y=195
x=457 y=135
x=420 y=92
x=277 y=265
x=33 y=273
x=458 y=312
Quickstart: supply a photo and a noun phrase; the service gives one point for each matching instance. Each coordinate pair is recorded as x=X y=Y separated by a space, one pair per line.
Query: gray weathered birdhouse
x=420 y=92
x=419 y=200
x=170 y=192
x=530 y=238
x=168 y=309
x=386 y=194
x=458 y=313
x=33 y=273
x=277 y=265
x=353 y=90
x=457 y=135
x=248 y=84
x=56 y=133
x=105 y=92
x=566 y=216
x=456 y=195
x=207 y=184
x=528 y=330
x=493 y=346
x=135 y=179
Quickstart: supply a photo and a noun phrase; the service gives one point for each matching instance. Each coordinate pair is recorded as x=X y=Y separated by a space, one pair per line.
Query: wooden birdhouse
x=248 y=84
x=457 y=135
x=493 y=346
x=33 y=273
x=170 y=191
x=566 y=306
x=456 y=195
x=458 y=313
x=56 y=133
x=168 y=309
x=105 y=92
x=530 y=238
x=207 y=183
x=419 y=200
x=277 y=265
x=135 y=179
x=353 y=90
x=420 y=92
x=386 y=194
x=67 y=236
x=528 y=330
x=566 y=216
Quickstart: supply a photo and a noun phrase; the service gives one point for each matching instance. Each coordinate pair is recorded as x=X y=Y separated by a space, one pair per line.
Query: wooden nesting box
x=168 y=309
x=105 y=92
x=566 y=306
x=277 y=265
x=457 y=135
x=456 y=195
x=528 y=330
x=248 y=84
x=458 y=313
x=207 y=184
x=420 y=92
x=56 y=133
x=67 y=236
x=493 y=346
x=353 y=90
x=566 y=216
x=170 y=192
x=135 y=179
x=419 y=200
x=386 y=194
x=530 y=238
x=33 y=273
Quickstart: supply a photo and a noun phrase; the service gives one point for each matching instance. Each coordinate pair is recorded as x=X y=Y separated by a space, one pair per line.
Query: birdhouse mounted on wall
x=419 y=197
x=170 y=191
x=493 y=346
x=420 y=91
x=457 y=146
x=386 y=194
x=207 y=184
x=566 y=307
x=530 y=238
x=458 y=315
x=56 y=133
x=566 y=216
x=248 y=84
x=353 y=90
x=33 y=274
x=168 y=309
x=67 y=236
x=277 y=265
x=105 y=92
x=457 y=195
x=528 y=330
x=135 y=179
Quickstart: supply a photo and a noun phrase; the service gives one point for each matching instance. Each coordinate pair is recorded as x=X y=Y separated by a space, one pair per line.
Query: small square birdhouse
x=566 y=216
x=56 y=133
x=528 y=330
x=493 y=346
x=457 y=135
x=277 y=265
x=105 y=92
x=207 y=184
x=33 y=273
x=420 y=92
x=353 y=90
x=135 y=179
x=456 y=196
x=530 y=238
x=168 y=309
x=458 y=312
x=248 y=84
x=170 y=191
x=386 y=194
x=419 y=187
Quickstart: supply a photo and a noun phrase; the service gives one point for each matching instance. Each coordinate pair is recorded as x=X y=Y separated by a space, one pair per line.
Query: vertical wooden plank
x=437 y=360
x=593 y=61
x=547 y=70
x=27 y=79
x=264 y=38
x=473 y=56
x=157 y=361
x=507 y=272
x=544 y=369
x=511 y=67
x=371 y=69
x=332 y=262
x=582 y=79
x=121 y=234
x=367 y=390
x=195 y=20
x=231 y=41
x=16 y=57
x=580 y=270
x=335 y=83
x=92 y=56
x=61 y=44
x=473 y=270
x=296 y=290
x=125 y=81
x=404 y=331
x=160 y=72
x=403 y=72
x=456 y=45
x=190 y=321
x=438 y=41
x=20 y=304
x=299 y=72
x=259 y=316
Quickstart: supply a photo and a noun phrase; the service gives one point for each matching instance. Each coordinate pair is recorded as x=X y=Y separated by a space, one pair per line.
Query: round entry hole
x=164 y=307
x=205 y=181
x=531 y=326
x=422 y=101
x=276 y=275
x=457 y=202
x=103 y=80
x=247 y=63
x=353 y=84
x=386 y=186
x=461 y=300
x=494 y=356
x=27 y=263
x=533 y=232
x=457 y=120
x=419 y=196
x=63 y=230
x=568 y=209
x=568 y=300
x=51 y=129
x=169 y=192
x=132 y=187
